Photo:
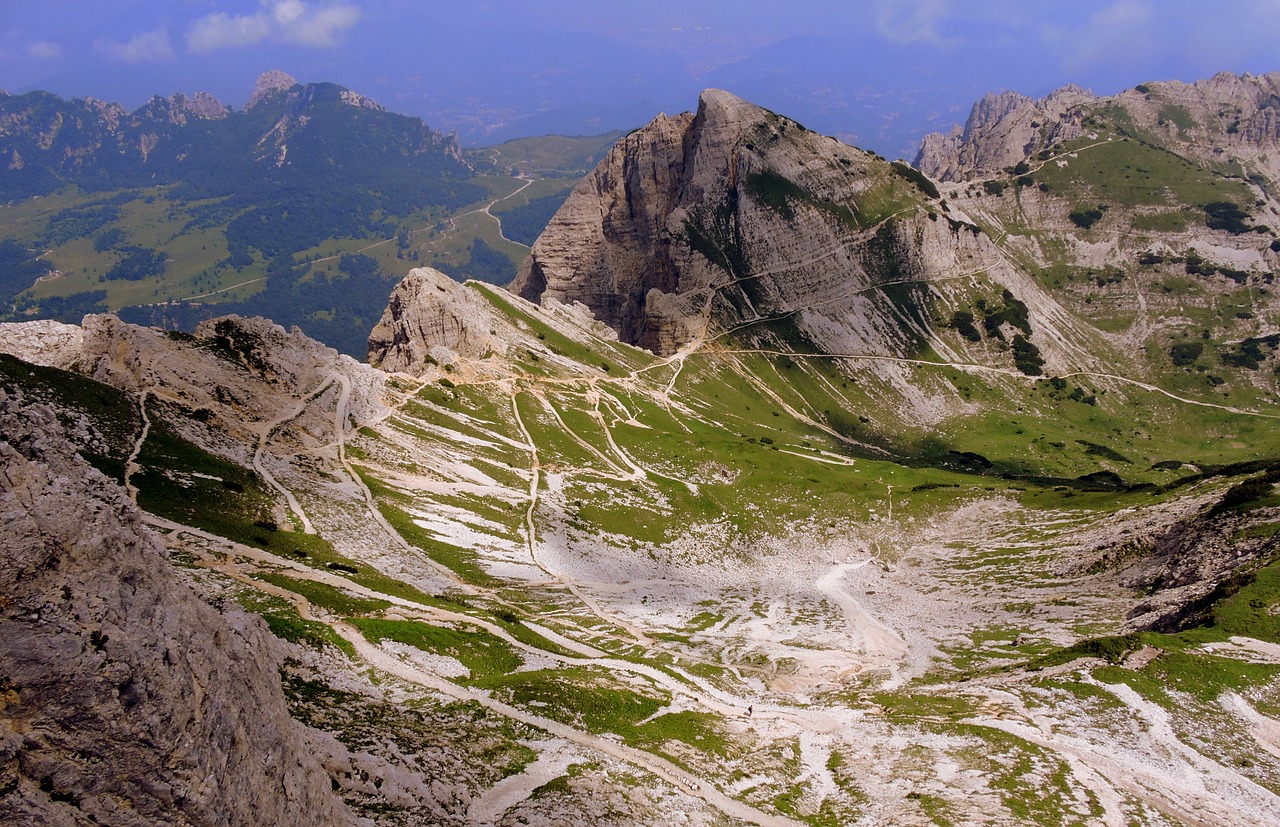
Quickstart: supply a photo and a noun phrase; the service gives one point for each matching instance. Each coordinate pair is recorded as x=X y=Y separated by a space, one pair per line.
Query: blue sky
x=878 y=73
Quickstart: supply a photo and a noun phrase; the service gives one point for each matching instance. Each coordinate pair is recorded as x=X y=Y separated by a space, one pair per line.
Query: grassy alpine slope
x=648 y=551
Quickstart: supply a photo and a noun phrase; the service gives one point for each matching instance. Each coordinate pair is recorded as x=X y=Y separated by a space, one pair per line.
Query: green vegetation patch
x=486 y=656
x=185 y=483
x=1168 y=221
x=1113 y=649
x=473 y=743
x=916 y=177
x=113 y=413
x=1033 y=784
x=325 y=596
x=780 y=195
x=1131 y=173
x=285 y=623
x=598 y=701
x=461 y=561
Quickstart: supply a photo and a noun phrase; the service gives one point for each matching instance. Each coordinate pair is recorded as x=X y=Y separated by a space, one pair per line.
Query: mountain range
x=306 y=205
x=785 y=484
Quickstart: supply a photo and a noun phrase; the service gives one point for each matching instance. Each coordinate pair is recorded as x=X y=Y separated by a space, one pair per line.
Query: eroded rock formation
x=429 y=319
x=1220 y=118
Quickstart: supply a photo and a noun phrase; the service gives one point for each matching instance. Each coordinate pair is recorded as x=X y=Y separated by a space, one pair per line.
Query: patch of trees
x=1077 y=393
x=1186 y=353
x=19 y=268
x=1224 y=215
x=1026 y=356
x=1086 y=217
x=78 y=222
x=1249 y=354
x=957 y=226
x=338 y=309
x=1197 y=266
x=1012 y=311
x=916 y=177
x=72 y=309
x=1248 y=492
x=526 y=222
x=137 y=264
x=1096 y=450
x=108 y=240
x=486 y=264
x=962 y=322
x=1108 y=276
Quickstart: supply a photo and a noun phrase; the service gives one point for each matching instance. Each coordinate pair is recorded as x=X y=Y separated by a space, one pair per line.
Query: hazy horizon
x=878 y=74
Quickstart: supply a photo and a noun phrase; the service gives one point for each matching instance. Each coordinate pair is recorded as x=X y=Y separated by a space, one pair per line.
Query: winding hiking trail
x=265 y=430
x=131 y=465
x=531 y=535
x=871 y=642
x=662 y=768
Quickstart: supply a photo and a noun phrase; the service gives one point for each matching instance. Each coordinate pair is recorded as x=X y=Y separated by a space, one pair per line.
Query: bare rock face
x=430 y=318
x=736 y=216
x=1224 y=117
x=268 y=84
x=618 y=235
x=1001 y=130
x=125 y=698
x=221 y=383
x=43 y=342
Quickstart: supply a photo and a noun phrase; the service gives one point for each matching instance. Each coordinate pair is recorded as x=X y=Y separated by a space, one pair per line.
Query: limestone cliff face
x=1001 y=130
x=686 y=206
x=434 y=324
x=125 y=698
x=738 y=221
x=611 y=242
x=430 y=318
x=1221 y=118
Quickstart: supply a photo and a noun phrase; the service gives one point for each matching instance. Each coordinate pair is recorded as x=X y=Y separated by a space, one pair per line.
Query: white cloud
x=912 y=21
x=44 y=50
x=217 y=31
x=1123 y=33
x=148 y=47
x=290 y=21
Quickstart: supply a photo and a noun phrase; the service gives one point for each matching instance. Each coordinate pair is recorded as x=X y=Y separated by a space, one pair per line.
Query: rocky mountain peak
x=730 y=215
x=203 y=105
x=721 y=110
x=268 y=84
x=1227 y=116
x=994 y=106
x=430 y=318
